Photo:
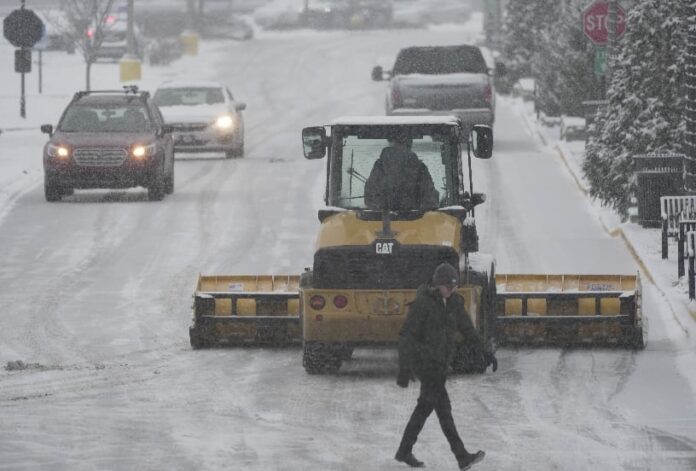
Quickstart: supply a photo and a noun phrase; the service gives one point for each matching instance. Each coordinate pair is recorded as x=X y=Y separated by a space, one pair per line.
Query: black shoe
x=468 y=460
x=409 y=459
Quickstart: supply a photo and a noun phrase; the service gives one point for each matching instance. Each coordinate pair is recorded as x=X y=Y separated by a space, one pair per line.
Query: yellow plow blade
x=246 y=310
x=569 y=310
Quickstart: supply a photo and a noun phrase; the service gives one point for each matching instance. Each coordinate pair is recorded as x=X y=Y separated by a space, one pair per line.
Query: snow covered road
x=96 y=294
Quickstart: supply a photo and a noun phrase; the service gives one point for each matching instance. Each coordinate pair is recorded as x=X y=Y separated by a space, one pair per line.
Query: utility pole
x=690 y=148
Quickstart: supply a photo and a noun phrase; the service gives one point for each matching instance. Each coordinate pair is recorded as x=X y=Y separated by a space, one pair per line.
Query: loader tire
x=320 y=358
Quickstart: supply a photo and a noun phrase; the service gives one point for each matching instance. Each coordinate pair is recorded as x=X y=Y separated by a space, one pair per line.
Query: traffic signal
x=23 y=61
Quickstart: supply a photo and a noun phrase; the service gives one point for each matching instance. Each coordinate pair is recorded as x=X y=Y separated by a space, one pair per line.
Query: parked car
x=109 y=139
x=524 y=88
x=204 y=117
x=279 y=14
x=226 y=26
x=573 y=128
x=114 y=39
x=441 y=80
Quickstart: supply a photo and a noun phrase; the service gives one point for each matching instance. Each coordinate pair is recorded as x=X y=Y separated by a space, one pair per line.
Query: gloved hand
x=404 y=377
x=491 y=361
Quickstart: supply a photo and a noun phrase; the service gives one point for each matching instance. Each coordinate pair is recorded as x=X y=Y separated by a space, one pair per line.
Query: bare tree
x=83 y=25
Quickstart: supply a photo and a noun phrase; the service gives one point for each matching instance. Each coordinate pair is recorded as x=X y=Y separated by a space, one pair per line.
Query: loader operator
x=426 y=347
x=399 y=181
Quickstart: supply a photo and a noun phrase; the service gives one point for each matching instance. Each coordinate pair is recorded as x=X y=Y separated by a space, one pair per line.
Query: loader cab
x=358 y=147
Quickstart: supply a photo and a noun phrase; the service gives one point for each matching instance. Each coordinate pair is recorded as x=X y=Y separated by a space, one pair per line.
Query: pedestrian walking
x=426 y=347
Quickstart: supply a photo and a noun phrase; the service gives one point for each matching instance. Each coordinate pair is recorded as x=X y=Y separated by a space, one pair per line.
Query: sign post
x=23 y=29
x=595 y=22
x=600 y=62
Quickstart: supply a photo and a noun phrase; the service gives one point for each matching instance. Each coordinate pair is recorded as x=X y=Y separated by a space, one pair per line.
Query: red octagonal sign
x=595 y=22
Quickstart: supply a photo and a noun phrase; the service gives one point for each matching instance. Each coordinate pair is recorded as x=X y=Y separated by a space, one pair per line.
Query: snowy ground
x=97 y=291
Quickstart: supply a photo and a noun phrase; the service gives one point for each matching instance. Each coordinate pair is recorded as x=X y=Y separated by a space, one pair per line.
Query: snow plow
x=374 y=249
x=569 y=310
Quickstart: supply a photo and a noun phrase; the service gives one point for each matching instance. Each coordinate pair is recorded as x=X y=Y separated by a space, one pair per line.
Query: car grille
x=189 y=127
x=100 y=157
x=361 y=268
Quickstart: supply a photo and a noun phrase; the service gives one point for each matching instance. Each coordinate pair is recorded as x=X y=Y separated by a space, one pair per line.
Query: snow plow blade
x=569 y=311
x=246 y=310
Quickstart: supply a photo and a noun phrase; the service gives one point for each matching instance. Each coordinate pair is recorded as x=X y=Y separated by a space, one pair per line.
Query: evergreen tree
x=523 y=19
x=646 y=100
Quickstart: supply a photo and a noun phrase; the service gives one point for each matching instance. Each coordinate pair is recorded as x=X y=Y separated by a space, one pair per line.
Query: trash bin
x=590 y=109
x=657 y=175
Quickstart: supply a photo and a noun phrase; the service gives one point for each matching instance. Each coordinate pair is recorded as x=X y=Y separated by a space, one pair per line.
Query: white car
x=204 y=115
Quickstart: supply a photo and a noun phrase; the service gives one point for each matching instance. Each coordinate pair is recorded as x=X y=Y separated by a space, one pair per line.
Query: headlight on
x=141 y=152
x=224 y=122
x=62 y=152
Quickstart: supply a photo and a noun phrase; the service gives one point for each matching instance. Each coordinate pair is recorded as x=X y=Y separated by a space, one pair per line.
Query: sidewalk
x=21 y=167
x=643 y=243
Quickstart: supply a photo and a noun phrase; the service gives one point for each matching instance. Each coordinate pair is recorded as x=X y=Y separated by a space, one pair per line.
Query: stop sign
x=595 y=22
x=23 y=28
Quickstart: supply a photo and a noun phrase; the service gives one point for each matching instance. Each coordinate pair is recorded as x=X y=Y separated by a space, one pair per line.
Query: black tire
x=319 y=358
x=198 y=339
x=346 y=353
x=239 y=151
x=156 y=188
x=52 y=190
x=169 y=182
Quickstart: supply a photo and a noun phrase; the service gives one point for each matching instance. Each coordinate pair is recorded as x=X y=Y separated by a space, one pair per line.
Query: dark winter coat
x=428 y=336
x=400 y=181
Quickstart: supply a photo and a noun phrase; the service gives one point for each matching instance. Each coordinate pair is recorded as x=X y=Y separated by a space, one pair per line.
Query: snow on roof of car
x=393 y=120
x=192 y=84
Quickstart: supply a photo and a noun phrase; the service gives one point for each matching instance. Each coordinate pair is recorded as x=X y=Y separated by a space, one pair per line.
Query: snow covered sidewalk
x=644 y=243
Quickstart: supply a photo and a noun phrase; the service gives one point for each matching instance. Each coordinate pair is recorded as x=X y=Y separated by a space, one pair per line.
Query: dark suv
x=109 y=139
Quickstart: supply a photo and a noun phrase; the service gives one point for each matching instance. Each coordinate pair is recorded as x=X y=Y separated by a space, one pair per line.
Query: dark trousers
x=433 y=396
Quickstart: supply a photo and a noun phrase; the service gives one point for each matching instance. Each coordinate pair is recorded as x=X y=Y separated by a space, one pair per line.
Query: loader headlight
x=224 y=122
x=62 y=152
x=140 y=152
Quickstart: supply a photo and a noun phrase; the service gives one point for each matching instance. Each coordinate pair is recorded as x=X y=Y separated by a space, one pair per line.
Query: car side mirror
x=478 y=198
x=240 y=106
x=47 y=129
x=314 y=143
x=500 y=69
x=378 y=73
x=482 y=141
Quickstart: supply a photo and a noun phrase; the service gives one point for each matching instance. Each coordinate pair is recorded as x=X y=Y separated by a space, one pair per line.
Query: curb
x=619 y=232
x=613 y=233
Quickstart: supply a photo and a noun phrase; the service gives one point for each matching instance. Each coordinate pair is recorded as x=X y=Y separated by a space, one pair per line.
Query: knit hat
x=445 y=275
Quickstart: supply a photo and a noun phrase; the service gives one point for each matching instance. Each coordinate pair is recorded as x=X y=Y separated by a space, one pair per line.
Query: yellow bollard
x=130 y=69
x=190 y=41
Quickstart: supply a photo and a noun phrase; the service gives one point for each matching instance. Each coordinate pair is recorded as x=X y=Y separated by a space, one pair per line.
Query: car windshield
x=440 y=60
x=188 y=96
x=356 y=156
x=105 y=118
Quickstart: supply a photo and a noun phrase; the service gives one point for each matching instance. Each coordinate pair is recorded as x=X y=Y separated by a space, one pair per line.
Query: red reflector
x=340 y=301
x=319 y=318
x=317 y=302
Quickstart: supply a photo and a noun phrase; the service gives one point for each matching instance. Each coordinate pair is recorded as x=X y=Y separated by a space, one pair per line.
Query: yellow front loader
x=369 y=261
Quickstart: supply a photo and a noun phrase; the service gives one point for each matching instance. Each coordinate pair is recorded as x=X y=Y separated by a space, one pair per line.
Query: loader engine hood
x=352 y=253
x=348 y=229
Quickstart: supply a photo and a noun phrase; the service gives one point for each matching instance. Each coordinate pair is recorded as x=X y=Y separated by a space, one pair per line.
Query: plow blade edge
x=569 y=310
x=246 y=310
